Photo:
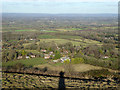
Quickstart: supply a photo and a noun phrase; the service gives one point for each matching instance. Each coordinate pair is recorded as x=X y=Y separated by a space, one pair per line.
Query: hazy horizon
x=65 y=13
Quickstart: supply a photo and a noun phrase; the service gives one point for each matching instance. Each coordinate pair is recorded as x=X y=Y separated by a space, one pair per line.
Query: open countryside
x=81 y=47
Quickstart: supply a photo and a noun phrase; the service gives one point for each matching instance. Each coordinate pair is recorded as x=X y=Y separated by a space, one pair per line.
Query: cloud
x=60 y=6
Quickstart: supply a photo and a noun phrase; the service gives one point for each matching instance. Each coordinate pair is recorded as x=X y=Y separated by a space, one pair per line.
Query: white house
x=46 y=56
x=64 y=59
x=27 y=57
x=31 y=39
x=32 y=56
x=55 y=61
x=43 y=50
x=50 y=53
x=19 y=57
x=105 y=57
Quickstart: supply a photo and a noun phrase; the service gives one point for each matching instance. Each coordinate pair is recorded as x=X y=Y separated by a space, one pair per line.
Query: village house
x=19 y=57
x=31 y=39
x=32 y=56
x=27 y=57
x=53 y=55
x=50 y=53
x=46 y=56
x=105 y=57
x=55 y=61
x=43 y=50
x=64 y=59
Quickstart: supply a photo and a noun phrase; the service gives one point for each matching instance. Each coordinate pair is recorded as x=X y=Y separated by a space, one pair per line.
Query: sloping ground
x=85 y=67
x=76 y=67
x=11 y=80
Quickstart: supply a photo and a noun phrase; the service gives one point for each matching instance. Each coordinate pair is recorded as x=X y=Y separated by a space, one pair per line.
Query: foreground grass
x=14 y=81
x=26 y=62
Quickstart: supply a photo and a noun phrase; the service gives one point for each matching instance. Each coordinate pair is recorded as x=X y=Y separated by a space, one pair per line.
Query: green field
x=59 y=41
x=50 y=31
x=69 y=29
x=24 y=30
x=46 y=36
x=26 y=62
x=78 y=42
x=26 y=50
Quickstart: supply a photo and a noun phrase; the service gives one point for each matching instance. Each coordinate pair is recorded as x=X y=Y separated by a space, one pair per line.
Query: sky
x=60 y=6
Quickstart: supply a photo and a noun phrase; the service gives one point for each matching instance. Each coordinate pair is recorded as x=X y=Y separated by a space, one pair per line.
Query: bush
x=67 y=61
x=18 y=66
x=98 y=73
x=77 y=60
x=45 y=69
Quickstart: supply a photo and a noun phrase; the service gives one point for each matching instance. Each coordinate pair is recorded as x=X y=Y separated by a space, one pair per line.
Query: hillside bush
x=77 y=60
x=18 y=66
x=67 y=61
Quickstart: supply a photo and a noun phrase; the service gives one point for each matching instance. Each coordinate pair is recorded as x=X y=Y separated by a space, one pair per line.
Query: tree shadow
x=61 y=81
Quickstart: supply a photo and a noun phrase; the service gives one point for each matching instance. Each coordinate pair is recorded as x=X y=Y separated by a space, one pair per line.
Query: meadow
x=70 y=29
x=24 y=30
x=26 y=62
x=76 y=42
x=42 y=63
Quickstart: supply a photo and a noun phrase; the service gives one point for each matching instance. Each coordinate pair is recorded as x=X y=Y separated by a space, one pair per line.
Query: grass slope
x=26 y=62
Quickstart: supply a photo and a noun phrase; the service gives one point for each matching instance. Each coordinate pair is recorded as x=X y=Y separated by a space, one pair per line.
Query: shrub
x=67 y=61
x=45 y=69
x=77 y=60
x=18 y=66
x=99 y=73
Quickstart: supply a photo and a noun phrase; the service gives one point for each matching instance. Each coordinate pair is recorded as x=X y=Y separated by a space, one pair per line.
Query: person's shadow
x=61 y=81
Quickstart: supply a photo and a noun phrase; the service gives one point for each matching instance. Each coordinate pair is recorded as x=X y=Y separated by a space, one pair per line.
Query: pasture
x=46 y=36
x=76 y=67
x=26 y=62
x=69 y=29
x=76 y=42
x=24 y=30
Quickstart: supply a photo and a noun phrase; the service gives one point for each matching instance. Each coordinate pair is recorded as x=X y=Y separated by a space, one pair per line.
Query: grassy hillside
x=26 y=62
